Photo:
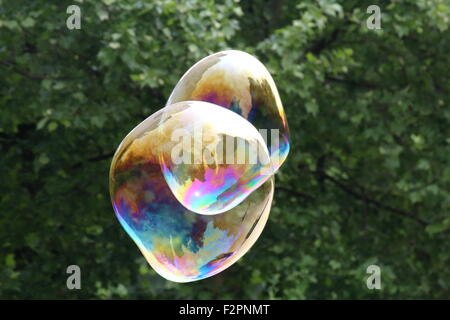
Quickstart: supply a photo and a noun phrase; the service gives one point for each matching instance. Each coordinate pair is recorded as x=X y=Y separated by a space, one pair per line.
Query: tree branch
x=22 y=73
x=353 y=83
x=296 y=193
x=93 y=159
x=374 y=202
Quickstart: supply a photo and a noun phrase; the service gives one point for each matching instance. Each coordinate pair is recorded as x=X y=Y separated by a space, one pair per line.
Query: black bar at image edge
x=231 y=309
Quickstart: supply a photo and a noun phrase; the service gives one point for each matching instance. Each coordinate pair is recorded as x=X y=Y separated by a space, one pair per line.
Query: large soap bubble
x=179 y=244
x=193 y=183
x=211 y=157
x=238 y=81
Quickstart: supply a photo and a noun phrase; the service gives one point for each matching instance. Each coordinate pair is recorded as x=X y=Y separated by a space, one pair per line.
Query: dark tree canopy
x=367 y=180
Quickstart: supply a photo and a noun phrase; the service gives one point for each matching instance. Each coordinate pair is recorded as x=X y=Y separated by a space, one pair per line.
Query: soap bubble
x=211 y=158
x=241 y=83
x=179 y=244
x=193 y=183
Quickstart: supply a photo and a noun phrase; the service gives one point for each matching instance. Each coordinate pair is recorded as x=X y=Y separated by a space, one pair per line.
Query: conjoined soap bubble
x=211 y=157
x=239 y=82
x=193 y=183
x=179 y=244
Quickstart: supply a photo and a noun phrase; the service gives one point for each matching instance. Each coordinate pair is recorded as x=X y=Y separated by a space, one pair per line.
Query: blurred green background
x=367 y=180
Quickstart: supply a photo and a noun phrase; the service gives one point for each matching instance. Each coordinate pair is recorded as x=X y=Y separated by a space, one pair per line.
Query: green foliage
x=367 y=180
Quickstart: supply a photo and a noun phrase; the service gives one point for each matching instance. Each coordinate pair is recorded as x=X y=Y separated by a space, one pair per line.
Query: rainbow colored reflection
x=241 y=83
x=180 y=245
x=193 y=183
x=211 y=158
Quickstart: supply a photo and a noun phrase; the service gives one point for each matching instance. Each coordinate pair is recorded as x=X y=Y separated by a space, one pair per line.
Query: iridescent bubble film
x=193 y=183
x=238 y=81
x=211 y=157
x=179 y=244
